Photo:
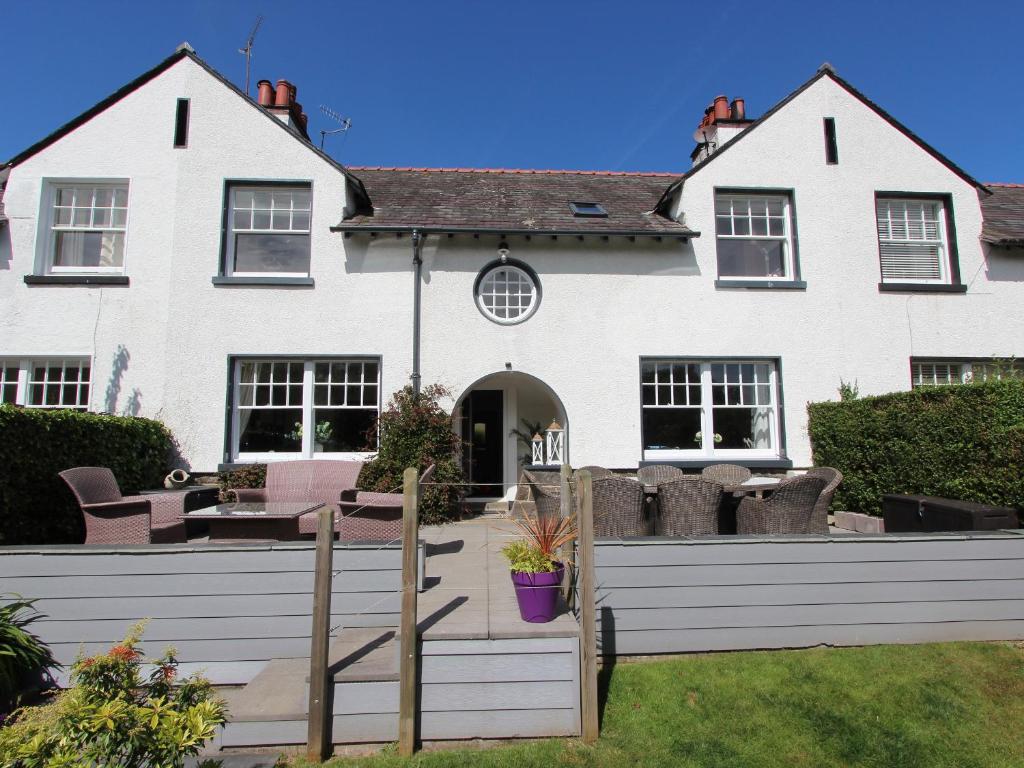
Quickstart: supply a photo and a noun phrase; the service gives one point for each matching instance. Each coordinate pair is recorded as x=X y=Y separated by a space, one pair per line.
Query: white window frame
x=786 y=238
x=308 y=442
x=522 y=274
x=707 y=449
x=968 y=370
x=230 y=231
x=25 y=380
x=942 y=243
x=47 y=257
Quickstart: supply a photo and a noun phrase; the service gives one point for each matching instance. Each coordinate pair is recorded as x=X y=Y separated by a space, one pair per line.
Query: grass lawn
x=957 y=704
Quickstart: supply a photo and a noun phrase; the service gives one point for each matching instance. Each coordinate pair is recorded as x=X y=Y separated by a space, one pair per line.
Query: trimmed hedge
x=962 y=442
x=35 y=505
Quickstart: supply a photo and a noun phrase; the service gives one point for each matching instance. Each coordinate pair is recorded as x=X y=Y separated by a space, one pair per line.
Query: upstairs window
x=591 y=210
x=754 y=236
x=268 y=230
x=507 y=294
x=931 y=373
x=88 y=226
x=46 y=383
x=912 y=240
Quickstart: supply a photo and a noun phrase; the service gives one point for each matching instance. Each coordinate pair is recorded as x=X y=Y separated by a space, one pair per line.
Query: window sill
x=76 y=279
x=269 y=282
x=791 y=285
x=706 y=462
x=921 y=288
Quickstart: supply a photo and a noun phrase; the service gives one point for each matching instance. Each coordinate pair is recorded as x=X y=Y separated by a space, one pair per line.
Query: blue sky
x=595 y=85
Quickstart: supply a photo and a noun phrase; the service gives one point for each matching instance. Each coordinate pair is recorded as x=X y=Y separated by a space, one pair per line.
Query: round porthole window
x=507 y=294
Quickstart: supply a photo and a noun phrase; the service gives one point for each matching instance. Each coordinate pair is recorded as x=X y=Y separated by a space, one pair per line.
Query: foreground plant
x=544 y=536
x=112 y=717
x=22 y=654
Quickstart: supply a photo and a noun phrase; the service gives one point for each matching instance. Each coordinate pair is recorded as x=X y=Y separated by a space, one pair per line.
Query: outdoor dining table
x=252 y=521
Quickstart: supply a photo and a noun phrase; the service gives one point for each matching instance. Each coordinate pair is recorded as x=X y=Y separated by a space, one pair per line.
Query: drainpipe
x=417 y=261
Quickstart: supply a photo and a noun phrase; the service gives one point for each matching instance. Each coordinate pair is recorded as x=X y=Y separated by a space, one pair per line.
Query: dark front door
x=482 y=433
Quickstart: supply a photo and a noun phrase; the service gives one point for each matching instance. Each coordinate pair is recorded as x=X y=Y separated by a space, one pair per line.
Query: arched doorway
x=489 y=414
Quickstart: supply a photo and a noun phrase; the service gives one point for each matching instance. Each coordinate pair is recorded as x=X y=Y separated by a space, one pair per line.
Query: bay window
x=268 y=228
x=754 y=236
x=88 y=224
x=46 y=382
x=694 y=409
x=293 y=408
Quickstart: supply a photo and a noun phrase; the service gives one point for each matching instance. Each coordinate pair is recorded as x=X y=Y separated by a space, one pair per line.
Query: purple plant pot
x=537 y=594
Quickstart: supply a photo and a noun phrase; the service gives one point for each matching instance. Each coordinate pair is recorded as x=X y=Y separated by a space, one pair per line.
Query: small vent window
x=181 y=124
x=593 y=210
x=831 y=148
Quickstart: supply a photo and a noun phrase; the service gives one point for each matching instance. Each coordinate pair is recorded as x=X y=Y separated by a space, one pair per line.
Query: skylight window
x=588 y=209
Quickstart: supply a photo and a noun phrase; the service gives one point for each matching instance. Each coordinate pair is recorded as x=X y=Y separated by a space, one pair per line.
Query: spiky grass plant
x=21 y=652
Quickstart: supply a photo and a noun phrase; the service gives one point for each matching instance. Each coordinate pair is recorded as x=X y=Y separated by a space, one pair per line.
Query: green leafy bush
x=250 y=476
x=35 y=505
x=112 y=717
x=524 y=557
x=22 y=654
x=963 y=442
x=415 y=431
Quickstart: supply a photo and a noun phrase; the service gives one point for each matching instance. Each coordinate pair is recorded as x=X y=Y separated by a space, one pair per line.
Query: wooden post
x=318 y=737
x=408 y=649
x=566 y=511
x=587 y=608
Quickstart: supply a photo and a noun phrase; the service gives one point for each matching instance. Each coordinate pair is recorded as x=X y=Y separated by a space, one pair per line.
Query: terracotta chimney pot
x=266 y=93
x=284 y=93
x=739 y=110
x=721 y=108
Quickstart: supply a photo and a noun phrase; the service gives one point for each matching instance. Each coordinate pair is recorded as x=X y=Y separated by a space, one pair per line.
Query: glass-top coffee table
x=248 y=521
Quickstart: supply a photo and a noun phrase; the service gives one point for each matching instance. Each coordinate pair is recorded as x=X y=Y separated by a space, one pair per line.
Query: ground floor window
x=709 y=408
x=292 y=408
x=46 y=382
x=931 y=373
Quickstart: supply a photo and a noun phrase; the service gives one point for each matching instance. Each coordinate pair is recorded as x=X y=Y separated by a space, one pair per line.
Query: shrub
x=22 y=654
x=250 y=476
x=415 y=431
x=964 y=442
x=112 y=717
x=35 y=505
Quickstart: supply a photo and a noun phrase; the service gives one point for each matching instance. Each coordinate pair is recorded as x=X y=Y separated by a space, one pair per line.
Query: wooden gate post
x=318 y=736
x=587 y=608
x=408 y=643
x=566 y=512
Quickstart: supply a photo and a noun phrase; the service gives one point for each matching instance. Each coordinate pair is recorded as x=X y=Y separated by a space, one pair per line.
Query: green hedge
x=962 y=442
x=35 y=505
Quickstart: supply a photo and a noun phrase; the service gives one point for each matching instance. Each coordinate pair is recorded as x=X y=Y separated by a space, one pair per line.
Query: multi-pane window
x=700 y=407
x=46 y=383
x=912 y=240
x=268 y=230
x=88 y=224
x=304 y=407
x=753 y=236
x=939 y=372
x=507 y=294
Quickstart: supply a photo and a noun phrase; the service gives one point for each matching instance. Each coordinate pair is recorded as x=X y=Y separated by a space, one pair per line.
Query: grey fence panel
x=674 y=596
x=226 y=609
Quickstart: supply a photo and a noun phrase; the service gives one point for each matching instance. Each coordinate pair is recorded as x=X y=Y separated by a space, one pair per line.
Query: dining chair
x=688 y=506
x=819 y=519
x=726 y=474
x=788 y=510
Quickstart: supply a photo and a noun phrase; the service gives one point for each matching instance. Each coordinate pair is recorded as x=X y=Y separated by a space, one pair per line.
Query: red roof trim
x=668 y=174
x=1004 y=184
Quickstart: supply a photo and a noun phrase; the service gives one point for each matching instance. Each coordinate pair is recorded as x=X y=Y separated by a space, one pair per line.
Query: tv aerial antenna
x=248 y=50
x=344 y=122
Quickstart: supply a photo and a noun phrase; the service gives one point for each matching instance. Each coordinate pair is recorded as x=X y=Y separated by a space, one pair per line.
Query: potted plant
x=322 y=433
x=535 y=566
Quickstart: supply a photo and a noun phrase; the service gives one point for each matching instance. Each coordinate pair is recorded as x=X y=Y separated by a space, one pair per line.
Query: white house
x=183 y=252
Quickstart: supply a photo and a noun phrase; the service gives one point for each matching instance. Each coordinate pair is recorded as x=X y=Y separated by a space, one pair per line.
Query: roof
x=507 y=201
x=1003 y=212
x=825 y=70
x=184 y=51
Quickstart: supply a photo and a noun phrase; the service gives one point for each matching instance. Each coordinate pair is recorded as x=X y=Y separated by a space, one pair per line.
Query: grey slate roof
x=512 y=202
x=1004 y=215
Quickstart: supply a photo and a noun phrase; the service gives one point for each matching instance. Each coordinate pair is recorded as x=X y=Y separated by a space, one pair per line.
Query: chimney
x=281 y=103
x=721 y=123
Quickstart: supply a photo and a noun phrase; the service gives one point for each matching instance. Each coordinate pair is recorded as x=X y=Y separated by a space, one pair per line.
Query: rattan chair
x=619 y=508
x=373 y=516
x=688 y=507
x=726 y=474
x=658 y=473
x=789 y=509
x=597 y=472
x=819 y=520
x=111 y=518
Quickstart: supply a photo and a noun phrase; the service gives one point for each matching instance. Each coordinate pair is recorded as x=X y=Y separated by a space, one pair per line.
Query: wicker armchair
x=688 y=507
x=111 y=518
x=545 y=492
x=307 y=480
x=789 y=509
x=619 y=508
x=726 y=474
x=819 y=519
x=597 y=472
x=373 y=516
x=658 y=473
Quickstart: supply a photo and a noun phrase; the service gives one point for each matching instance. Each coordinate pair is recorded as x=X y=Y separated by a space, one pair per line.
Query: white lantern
x=538 y=449
x=556 y=444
